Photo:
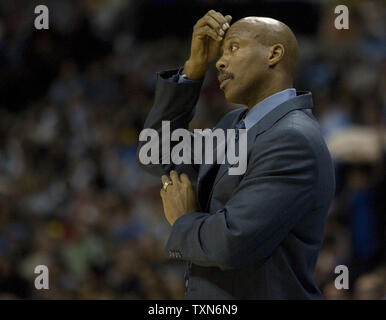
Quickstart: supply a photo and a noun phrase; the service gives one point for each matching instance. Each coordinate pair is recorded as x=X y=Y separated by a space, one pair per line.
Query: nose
x=221 y=64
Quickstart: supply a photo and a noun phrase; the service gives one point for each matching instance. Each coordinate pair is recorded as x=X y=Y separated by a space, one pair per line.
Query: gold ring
x=166 y=184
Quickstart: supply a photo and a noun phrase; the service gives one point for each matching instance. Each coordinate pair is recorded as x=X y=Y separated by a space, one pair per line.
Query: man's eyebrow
x=227 y=39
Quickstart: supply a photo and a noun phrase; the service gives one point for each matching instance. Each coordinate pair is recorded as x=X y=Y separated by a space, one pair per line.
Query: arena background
x=72 y=103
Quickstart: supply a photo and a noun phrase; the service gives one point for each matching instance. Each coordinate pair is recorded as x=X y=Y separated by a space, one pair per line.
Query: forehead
x=241 y=31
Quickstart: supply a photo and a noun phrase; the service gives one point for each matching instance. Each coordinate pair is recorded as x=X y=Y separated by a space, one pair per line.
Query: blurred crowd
x=73 y=100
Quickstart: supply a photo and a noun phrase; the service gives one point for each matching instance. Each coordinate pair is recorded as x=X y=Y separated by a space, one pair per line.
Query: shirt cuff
x=179 y=79
x=185 y=80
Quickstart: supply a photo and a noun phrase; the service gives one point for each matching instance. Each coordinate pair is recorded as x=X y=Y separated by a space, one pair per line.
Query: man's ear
x=276 y=53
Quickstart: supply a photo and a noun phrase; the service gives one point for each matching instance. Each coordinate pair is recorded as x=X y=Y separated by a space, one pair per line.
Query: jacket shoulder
x=297 y=123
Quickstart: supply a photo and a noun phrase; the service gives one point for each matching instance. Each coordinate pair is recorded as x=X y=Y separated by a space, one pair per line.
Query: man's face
x=243 y=64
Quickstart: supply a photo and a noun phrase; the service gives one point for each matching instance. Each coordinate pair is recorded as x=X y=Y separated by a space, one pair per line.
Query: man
x=255 y=235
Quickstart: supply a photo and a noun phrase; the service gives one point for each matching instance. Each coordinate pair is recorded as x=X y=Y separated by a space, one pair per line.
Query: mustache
x=225 y=75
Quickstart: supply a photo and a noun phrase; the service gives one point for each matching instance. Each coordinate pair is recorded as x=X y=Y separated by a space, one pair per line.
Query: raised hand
x=208 y=34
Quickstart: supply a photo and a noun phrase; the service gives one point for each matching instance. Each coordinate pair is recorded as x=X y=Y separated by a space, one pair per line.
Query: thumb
x=228 y=18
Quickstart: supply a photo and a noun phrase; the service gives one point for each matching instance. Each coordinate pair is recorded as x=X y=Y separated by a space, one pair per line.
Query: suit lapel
x=302 y=101
x=206 y=168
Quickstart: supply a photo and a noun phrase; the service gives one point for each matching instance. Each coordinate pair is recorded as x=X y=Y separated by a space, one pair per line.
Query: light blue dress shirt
x=262 y=108
x=265 y=106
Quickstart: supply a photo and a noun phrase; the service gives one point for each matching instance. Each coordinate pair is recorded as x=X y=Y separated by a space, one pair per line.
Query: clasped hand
x=179 y=197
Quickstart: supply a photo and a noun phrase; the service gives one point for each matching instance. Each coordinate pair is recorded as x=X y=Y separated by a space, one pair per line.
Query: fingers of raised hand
x=213 y=24
x=221 y=20
x=228 y=18
x=208 y=31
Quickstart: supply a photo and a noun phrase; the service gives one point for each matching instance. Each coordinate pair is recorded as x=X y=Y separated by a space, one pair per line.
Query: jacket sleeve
x=276 y=190
x=174 y=101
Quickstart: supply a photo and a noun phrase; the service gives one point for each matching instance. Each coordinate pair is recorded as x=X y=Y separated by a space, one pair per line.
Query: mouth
x=224 y=82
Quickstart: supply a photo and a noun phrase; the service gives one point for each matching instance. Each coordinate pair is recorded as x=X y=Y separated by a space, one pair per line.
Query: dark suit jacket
x=256 y=235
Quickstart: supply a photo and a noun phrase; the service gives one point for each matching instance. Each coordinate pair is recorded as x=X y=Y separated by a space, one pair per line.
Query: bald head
x=269 y=32
x=259 y=57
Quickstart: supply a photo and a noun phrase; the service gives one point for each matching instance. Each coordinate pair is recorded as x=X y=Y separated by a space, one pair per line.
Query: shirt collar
x=265 y=106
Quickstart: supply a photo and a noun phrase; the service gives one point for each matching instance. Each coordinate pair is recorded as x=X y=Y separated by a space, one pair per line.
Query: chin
x=232 y=98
